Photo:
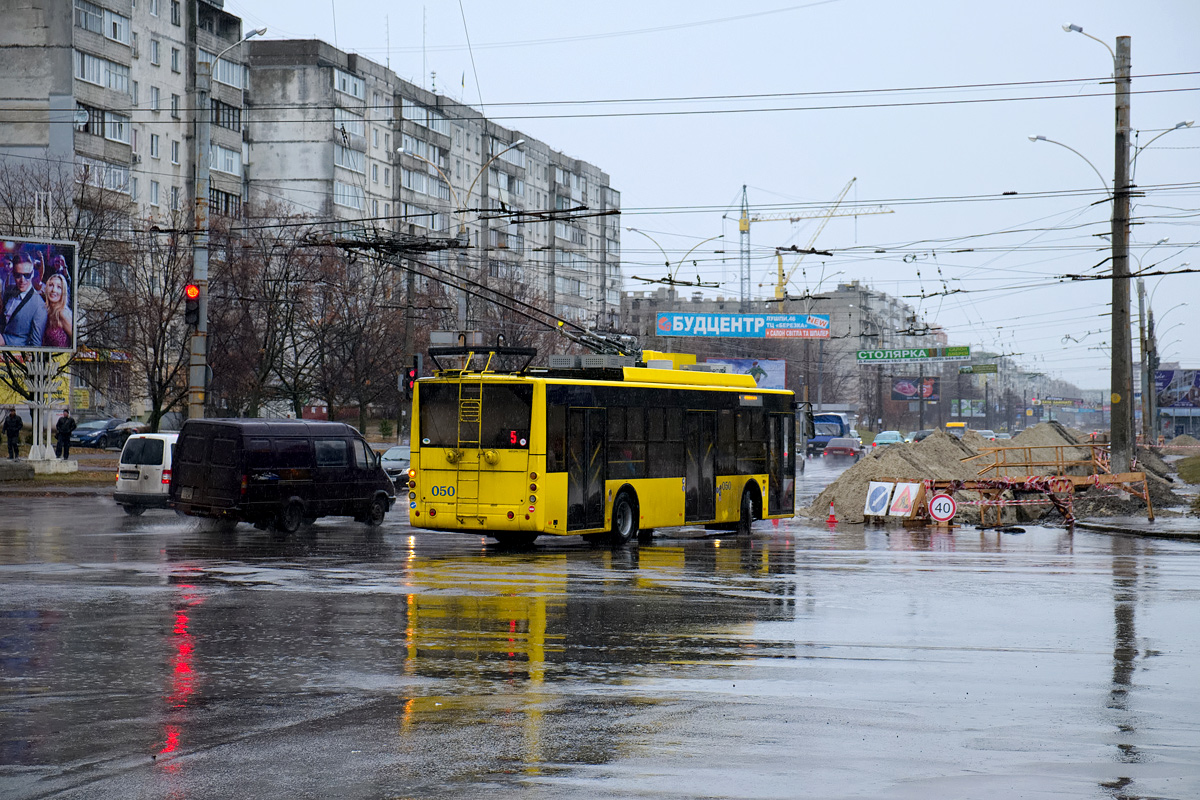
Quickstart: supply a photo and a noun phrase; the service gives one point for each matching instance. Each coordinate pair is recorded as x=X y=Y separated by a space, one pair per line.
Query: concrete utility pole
x=1147 y=425
x=198 y=360
x=1122 y=340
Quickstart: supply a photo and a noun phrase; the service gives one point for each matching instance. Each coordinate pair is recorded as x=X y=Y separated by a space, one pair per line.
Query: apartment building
x=337 y=136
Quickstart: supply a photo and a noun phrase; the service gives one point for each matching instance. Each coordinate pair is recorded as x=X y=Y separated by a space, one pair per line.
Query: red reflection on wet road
x=183 y=675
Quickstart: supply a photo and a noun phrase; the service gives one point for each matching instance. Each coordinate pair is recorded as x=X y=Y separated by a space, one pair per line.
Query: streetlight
x=198 y=357
x=1038 y=138
x=667 y=259
x=460 y=212
x=1187 y=123
x=1121 y=370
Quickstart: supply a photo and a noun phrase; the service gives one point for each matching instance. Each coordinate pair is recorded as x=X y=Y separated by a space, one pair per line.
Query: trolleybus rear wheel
x=624 y=519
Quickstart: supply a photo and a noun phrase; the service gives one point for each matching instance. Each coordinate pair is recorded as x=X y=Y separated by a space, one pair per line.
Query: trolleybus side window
x=726 y=443
x=752 y=442
x=626 y=443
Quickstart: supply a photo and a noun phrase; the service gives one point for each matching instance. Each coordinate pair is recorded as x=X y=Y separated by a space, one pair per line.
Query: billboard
x=1177 y=388
x=913 y=355
x=39 y=280
x=914 y=388
x=744 y=326
x=767 y=373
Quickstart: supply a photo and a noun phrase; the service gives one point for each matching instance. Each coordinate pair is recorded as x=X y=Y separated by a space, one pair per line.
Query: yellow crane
x=823 y=214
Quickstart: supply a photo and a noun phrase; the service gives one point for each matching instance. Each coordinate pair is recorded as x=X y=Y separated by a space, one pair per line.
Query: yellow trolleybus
x=611 y=449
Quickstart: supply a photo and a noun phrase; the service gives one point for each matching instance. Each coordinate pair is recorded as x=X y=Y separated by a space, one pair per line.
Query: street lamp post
x=198 y=351
x=667 y=259
x=460 y=212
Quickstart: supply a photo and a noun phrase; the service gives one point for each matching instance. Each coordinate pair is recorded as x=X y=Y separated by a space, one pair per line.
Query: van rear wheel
x=134 y=511
x=291 y=517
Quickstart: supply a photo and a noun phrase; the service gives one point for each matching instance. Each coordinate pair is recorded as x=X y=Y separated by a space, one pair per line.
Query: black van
x=277 y=472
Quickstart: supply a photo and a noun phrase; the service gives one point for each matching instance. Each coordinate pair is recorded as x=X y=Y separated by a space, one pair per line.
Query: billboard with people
x=767 y=373
x=39 y=281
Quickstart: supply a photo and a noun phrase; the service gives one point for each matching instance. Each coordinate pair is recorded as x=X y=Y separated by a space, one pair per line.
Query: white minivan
x=144 y=472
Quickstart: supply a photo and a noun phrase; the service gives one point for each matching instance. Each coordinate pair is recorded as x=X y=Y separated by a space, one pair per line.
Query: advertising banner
x=38 y=279
x=1177 y=388
x=767 y=373
x=914 y=388
x=745 y=326
x=913 y=355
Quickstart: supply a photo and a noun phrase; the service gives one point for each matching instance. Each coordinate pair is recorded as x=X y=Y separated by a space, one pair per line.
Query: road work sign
x=913 y=355
x=745 y=326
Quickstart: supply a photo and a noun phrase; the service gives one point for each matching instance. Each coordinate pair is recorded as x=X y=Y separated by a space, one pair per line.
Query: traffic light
x=410 y=377
x=191 y=304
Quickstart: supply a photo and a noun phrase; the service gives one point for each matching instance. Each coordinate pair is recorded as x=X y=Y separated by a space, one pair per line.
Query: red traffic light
x=191 y=291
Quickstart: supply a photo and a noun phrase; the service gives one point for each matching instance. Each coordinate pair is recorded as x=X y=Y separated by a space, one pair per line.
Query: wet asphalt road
x=152 y=657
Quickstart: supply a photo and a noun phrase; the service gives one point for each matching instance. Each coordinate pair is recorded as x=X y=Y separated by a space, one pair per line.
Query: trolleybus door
x=700 y=502
x=587 y=459
x=780 y=461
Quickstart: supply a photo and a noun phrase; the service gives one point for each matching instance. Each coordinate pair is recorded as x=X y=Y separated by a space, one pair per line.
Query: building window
x=375 y=208
x=345 y=194
x=387 y=141
x=374 y=173
x=174 y=198
x=155 y=103
x=175 y=152
x=95 y=121
x=133 y=188
x=154 y=8
x=176 y=17
x=349 y=122
x=349 y=84
x=222 y=159
x=89 y=17
x=387 y=176
x=154 y=52
x=224 y=203
x=133 y=93
x=101 y=72
x=154 y=145
x=375 y=137
x=175 y=106
x=225 y=72
x=154 y=193
x=350 y=159
x=116 y=127
x=174 y=59
x=226 y=116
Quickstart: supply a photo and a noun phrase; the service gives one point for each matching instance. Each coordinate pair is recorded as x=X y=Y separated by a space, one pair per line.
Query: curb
x=1182 y=536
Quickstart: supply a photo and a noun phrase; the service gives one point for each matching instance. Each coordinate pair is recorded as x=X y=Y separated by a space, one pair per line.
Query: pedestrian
x=62 y=435
x=12 y=429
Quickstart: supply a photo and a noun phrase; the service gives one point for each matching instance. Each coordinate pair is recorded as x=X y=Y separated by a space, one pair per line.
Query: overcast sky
x=939 y=157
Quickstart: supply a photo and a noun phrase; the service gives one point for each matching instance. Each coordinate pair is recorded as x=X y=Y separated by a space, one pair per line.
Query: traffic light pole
x=1121 y=425
x=198 y=360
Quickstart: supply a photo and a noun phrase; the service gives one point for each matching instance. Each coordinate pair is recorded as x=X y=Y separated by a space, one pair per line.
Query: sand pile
x=940 y=457
x=1181 y=446
x=973 y=440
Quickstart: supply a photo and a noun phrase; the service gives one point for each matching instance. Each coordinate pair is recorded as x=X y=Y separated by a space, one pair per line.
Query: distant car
x=100 y=433
x=884 y=438
x=854 y=435
x=1003 y=435
x=917 y=436
x=842 y=447
x=985 y=433
x=395 y=463
x=144 y=472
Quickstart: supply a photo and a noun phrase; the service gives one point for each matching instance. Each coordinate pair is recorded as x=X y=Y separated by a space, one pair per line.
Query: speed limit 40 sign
x=942 y=508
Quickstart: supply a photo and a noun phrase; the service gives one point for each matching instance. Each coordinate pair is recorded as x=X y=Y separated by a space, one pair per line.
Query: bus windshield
x=504 y=421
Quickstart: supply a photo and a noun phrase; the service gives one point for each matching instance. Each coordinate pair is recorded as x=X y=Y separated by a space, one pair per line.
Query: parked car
x=278 y=473
x=395 y=463
x=842 y=447
x=1003 y=436
x=100 y=433
x=989 y=435
x=144 y=472
x=917 y=436
x=884 y=438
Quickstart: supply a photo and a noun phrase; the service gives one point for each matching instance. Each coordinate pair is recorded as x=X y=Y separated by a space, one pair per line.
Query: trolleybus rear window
x=503 y=416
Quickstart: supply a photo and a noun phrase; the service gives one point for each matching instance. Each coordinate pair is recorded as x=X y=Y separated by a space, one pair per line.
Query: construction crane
x=823 y=214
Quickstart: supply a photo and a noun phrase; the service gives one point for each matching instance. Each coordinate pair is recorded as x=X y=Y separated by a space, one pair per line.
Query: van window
x=258 y=453
x=291 y=453
x=141 y=451
x=224 y=452
x=331 y=452
x=191 y=449
x=362 y=456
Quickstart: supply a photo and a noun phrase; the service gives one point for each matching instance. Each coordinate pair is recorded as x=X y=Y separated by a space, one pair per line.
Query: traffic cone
x=832 y=518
